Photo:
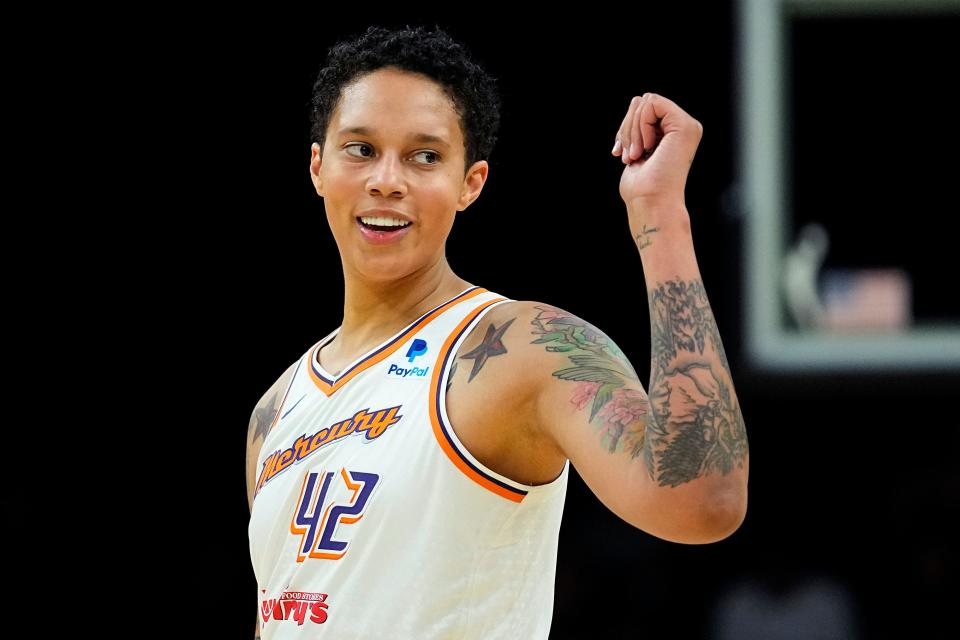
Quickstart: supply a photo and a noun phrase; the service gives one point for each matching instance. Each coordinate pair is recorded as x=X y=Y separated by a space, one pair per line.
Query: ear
x=472 y=184
x=316 y=160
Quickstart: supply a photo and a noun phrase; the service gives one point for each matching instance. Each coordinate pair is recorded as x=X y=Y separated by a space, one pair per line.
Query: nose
x=386 y=177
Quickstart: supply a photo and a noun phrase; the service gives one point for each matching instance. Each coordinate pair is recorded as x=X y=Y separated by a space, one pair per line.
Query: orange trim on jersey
x=329 y=389
x=512 y=494
x=355 y=487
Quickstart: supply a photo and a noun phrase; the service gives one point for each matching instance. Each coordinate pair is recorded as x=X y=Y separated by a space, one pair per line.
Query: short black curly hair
x=431 y=52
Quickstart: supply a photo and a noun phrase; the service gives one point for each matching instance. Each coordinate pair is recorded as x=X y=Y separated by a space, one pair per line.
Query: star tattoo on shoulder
x=492 y=345
x=263 y=418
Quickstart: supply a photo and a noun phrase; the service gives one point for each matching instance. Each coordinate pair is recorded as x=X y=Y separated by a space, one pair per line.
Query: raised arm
x=674 y=463
x=699 y=434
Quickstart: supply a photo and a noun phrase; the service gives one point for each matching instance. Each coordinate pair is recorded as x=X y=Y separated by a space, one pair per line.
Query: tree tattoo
x=697 y=426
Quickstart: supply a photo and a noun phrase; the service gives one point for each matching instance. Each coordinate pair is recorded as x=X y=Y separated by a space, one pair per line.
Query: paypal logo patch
x=418 y=348
x=401 y=372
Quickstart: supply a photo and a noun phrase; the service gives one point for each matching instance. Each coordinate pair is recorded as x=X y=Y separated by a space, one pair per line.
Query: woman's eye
x=434 y=154
x=350 y=146
x=429 y=153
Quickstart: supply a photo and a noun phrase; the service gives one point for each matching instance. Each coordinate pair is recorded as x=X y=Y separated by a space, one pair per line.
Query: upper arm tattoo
x=260 y=423
x=691 y=423
x=263 y=417
x=602 y=374
x=268 y=406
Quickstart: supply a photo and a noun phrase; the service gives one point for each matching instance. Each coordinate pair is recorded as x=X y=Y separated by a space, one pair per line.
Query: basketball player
x=406 y=475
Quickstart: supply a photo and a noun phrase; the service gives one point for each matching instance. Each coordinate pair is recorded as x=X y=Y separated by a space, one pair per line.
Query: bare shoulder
x=538 y=350
x=519 y=379
x=266 y=409
x=539 y=336
x=491 y=405
x=518 y=350
x=261 y=421
x=492 y=350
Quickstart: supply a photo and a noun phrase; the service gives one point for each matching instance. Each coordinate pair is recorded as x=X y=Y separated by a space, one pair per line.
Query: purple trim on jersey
x=446 y=434
x=316 y=358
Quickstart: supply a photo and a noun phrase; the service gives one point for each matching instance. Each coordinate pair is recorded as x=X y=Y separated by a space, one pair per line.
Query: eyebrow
x=418 y=137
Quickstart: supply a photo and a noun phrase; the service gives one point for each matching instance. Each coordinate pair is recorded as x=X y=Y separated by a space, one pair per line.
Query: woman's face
x=394 y=142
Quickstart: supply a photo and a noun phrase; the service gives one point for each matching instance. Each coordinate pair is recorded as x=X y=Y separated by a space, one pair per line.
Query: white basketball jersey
x=372 y=520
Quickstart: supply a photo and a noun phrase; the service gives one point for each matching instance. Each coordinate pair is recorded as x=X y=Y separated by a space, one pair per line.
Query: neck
x=375 y=310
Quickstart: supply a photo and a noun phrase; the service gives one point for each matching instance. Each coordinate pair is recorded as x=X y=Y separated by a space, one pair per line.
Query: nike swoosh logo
x=292 y=408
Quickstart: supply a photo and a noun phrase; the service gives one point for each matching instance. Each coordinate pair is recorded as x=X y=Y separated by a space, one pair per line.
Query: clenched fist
x=657 y=141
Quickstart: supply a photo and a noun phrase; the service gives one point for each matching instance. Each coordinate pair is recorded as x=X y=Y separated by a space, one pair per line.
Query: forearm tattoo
x=644 y=238
x=697 y=427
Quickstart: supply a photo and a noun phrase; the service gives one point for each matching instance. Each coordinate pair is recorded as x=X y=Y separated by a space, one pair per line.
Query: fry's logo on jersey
x=324 y=504
x=371 y=424
x=295 y=605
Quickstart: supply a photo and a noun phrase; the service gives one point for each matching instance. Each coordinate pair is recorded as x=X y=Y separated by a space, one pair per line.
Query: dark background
x=200 y=265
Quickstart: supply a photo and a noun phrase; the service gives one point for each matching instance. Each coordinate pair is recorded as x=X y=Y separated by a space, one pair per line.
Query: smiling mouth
x=377 y=227
x=381 y=235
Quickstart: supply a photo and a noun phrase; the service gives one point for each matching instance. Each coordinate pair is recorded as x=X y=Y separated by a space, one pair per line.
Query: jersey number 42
x=316 y=518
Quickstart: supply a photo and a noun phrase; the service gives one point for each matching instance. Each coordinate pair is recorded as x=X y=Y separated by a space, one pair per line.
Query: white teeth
x=385 y=222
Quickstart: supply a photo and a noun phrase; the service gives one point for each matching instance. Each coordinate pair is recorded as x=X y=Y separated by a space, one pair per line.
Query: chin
x=385 y=269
